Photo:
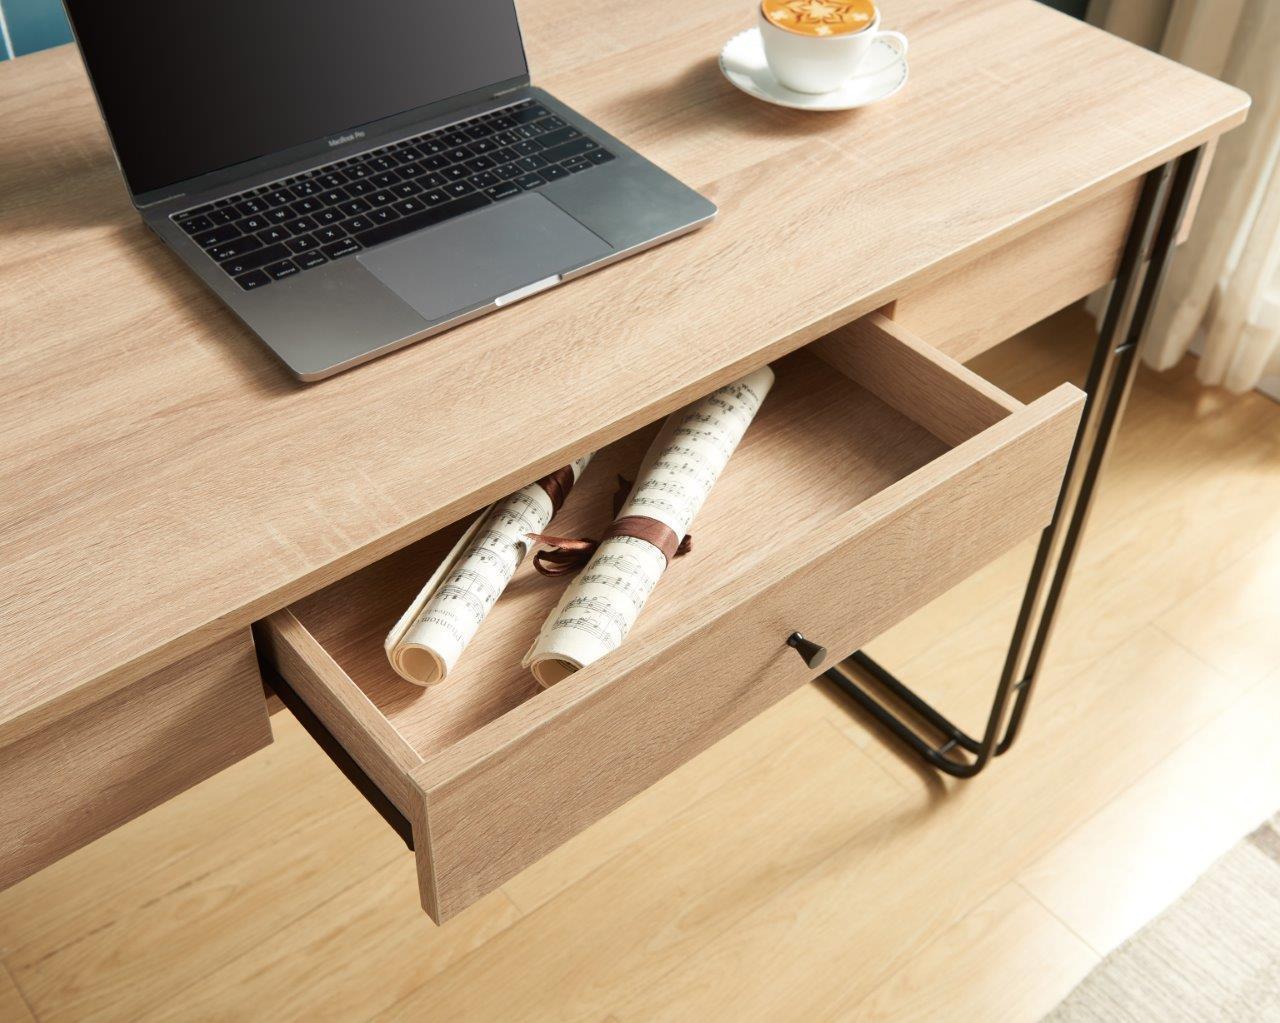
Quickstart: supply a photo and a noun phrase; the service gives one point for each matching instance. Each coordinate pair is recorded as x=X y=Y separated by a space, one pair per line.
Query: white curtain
x=1224 y=283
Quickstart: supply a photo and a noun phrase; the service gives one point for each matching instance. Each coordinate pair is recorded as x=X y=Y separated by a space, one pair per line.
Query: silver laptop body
x=348 y=246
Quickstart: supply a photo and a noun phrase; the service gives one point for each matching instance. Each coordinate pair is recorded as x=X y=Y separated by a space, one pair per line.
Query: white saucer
x=742 y=62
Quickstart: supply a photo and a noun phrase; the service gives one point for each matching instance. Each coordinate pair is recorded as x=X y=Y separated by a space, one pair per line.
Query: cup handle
x=899 y=43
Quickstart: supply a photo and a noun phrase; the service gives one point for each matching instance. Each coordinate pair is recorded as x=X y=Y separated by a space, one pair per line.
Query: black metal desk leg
x=1144 y=261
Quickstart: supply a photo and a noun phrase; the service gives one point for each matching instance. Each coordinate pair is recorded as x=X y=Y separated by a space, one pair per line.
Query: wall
x=30 y=25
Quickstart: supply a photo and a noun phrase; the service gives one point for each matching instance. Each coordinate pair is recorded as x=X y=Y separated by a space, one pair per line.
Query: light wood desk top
x=166 y=483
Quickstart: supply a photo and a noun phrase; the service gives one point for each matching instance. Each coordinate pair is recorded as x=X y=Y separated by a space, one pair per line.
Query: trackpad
x=480 y=256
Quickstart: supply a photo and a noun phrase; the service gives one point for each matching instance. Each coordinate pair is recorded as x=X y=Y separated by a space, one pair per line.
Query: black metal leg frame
x=1143 y=263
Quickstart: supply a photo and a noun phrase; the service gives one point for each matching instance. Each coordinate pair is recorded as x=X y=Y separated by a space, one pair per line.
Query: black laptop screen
x=190 y=87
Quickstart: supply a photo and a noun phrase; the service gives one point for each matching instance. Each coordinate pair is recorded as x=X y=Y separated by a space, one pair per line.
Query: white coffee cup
x=818 y=64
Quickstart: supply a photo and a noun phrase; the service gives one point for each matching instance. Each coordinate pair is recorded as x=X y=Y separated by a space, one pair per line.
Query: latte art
x=820 y=17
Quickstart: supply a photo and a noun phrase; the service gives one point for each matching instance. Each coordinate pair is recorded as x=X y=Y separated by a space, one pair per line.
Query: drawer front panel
x=80 y=777
x=977 y=306
x=541 y=785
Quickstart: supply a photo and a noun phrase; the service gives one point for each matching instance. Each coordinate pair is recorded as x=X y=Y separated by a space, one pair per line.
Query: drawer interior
x=877 y=473
x=820 y=445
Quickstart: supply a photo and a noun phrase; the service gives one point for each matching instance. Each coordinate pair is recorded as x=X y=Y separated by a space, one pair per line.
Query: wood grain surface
x=166 y=483
x=95 y=770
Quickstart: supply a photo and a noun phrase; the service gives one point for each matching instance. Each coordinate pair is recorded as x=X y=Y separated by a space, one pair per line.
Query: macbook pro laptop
x=350 y=177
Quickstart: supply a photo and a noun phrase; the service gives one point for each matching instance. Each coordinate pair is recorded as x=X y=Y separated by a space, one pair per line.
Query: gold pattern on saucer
x=820 y=17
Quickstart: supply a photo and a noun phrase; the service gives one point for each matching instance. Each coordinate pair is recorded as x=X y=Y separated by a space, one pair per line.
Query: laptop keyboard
x=278 y=230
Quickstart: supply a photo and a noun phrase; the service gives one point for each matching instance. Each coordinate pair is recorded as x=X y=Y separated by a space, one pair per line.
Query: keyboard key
x=223 y=216
x=483 y=145
x=434 y=196
x=502 y=191
x=412 y=170
x=379 y=163
x=357 y=224
x=217 y=235
x=386 y=179
x=553 y=173
x=431 y=148
x=285 y=268
x=305 y=207
x=301 y=226
x=406 y=189
x=333 y=196
x=528 y=181
x=532 y=163
x=325 y=235
x=506 y=138
x=272 y=235
x=380 y=198
x=235 y=247
x=358 y=188
x=456 y=173
x=403 y=156
x=405 y=207
x=527 y=148
x=575 y=148
x=310 y=260
x=433 y=180
x=251 y=206
x=279 y=197
x=345 y=247
x=454 y=139
x=457 y=189
x=253 y=260
x=354 y=206
x=486 y=179
x=197 y=224
x=551 y=123
x=253 y=279
x=330 y=215
x=302 y=243
x=599 y=156
x=332 y=179
x=305 y=188
x=357 y=172
x=481 y=163
x=478 y=131
x=424 y=218
x=254 y=224
x=384 y=215
x=577 y=164
x=435 y=163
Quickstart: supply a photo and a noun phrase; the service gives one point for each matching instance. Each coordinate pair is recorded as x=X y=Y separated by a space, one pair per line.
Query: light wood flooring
x=799 y=870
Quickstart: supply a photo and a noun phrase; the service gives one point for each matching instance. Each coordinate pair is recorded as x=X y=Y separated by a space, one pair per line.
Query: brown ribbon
x=557 y=486
x=565 y=555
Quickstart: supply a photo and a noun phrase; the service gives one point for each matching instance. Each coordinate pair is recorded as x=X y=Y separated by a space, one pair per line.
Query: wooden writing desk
x=166 y=485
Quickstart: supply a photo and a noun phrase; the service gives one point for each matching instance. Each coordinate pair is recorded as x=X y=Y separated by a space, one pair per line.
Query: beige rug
x=1213 y=955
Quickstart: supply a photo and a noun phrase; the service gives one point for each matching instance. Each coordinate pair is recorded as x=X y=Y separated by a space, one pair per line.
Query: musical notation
x=601 y=605
x=452 y=607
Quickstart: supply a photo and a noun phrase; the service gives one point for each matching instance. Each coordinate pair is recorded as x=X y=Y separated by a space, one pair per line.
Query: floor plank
x=1144 y=849
x=13 y=1007
x=1009 y=959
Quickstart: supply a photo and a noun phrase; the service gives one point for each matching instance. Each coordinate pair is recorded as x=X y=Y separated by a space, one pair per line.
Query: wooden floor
x=799 y=870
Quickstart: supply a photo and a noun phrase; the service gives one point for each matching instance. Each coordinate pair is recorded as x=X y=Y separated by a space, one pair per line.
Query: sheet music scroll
x=430 y=636
x=602 y=603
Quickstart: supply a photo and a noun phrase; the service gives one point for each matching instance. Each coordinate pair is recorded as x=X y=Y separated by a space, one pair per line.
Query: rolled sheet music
x=602 y=603
x=431 y=635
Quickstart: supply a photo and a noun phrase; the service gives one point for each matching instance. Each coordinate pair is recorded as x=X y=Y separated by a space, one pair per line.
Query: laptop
x=353 y=177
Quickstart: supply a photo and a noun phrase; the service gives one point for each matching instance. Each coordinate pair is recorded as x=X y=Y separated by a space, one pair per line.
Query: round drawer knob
x=809 y=651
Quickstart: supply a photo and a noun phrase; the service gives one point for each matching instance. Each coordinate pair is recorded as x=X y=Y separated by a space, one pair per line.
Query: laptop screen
x=189 y=87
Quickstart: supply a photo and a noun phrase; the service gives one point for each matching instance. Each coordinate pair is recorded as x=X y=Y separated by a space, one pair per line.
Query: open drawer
x=878 y=474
